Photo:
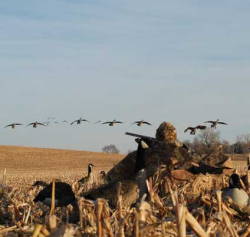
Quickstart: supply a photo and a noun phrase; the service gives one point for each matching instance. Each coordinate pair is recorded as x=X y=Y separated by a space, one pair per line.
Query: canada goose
x=193 y=129
x=141 y=122
x=129 y=188
x=235 y=192
x=79 y=121
x=34 y=124
x=63 y=197
x=112 y=123
x=63 y=194
x=89 y=177
x=13 y=125
x=214 y=123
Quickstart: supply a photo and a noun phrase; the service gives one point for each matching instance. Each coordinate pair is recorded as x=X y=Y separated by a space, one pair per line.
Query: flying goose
x=214 y=123
x=79 y=121
x=35 y=124
x=89 y=177
x=193 y=129
x=129 y=188
x=235 y=192
x=112 y=123
x=13 y=125
x=141 y=122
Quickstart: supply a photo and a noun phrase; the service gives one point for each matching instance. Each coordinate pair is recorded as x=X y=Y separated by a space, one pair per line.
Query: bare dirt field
x=29 y=164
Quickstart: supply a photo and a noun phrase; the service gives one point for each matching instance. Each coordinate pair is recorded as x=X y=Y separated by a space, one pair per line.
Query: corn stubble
x=172 y=208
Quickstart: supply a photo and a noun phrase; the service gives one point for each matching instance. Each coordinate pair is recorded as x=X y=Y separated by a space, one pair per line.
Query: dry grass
x=173 y=208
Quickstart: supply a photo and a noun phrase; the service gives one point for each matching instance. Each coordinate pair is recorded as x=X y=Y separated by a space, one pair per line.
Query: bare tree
x=111 y=149
x=242 y=144
x=206 y=141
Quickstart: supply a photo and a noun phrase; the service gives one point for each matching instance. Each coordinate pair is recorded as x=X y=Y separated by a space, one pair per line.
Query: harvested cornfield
x=172 y=209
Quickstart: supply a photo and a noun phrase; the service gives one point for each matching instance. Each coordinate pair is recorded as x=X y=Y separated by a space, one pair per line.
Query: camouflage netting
x=162 y=153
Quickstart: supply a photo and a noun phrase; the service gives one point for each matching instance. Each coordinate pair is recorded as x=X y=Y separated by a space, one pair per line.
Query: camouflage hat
x=166 y=132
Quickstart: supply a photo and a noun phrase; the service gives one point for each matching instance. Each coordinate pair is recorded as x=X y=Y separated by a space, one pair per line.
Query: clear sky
x=178 y=61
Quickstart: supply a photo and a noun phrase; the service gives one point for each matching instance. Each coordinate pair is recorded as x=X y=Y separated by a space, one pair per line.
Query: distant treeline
x=209 y=139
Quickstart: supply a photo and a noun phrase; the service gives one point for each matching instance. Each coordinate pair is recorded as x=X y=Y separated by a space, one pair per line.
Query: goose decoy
x=13 y=125
x=130 y=189
x=141 y=122
x=193 y=129
x=63 y=197
x=63 y=194
x=214 y=123
x=235 y=192
x=89 y=177
x=102 y=174
x=35 y=124
x=112 y=123
x=79 y=121
x=103 y=177
x=40 y=183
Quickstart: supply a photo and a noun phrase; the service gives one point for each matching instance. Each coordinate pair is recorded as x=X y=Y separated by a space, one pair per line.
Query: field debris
x=177 y=203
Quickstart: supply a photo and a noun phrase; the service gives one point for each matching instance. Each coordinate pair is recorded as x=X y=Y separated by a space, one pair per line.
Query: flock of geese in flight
x=77 y=121
x=214 y=124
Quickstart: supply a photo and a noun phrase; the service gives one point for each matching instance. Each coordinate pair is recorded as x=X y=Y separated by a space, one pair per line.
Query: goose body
x=141 y=122
x=63 y=195
x=35 y=124
x=112 y=123
x=79 y=121
x=89 y=177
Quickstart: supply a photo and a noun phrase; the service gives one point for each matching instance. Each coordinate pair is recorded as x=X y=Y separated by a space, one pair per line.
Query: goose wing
x=188 y=128
x=73 y=122
x=223 y=123
x=201 y=127
x=108 y=122
x=117 y=121
x=9 y=125
x=42 y=124
x=30 y=124
x=209 y=121
x=145 y=122
x=84 y=120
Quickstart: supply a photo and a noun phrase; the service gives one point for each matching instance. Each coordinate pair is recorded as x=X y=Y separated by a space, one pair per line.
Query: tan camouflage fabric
x=161 y=153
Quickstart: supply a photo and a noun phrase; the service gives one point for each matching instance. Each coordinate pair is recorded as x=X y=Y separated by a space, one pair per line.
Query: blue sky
x=178 y=61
